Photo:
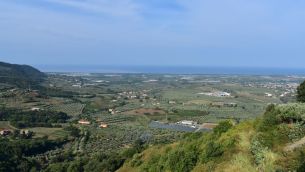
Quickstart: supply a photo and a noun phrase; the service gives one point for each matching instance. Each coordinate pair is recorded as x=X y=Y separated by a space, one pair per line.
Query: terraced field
x=143 y=111
x=113 y=119
x=71 y=109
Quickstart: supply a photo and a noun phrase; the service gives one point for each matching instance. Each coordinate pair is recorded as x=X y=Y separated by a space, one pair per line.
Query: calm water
x=172 y=70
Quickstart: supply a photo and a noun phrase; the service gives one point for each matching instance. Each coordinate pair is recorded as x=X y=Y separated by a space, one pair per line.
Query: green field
x=6 y=125
x=51 y=133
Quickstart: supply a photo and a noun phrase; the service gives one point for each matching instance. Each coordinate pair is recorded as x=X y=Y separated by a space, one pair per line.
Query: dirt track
x=295 y=145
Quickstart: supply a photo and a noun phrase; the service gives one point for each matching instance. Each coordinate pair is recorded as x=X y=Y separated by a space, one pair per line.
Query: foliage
x=55 y=92
x=258 y=150
x=296 y=132
x=13 y=153
x=22 y=119
x=230 y=146
x=301 y=92
x=223 y=127
x=182 y=160
x=74 y=131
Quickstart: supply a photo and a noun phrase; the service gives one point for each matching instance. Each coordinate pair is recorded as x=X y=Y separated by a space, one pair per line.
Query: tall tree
x=301 y=92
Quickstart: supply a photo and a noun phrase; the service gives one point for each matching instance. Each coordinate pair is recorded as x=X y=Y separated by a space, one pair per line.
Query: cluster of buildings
x=288 y=88
x=7 y=132
x=86 y=122
x=151 y=80
x=274 y=85
x=216 y=94
x=268 y=95
x=133 y=94
x=113 y=111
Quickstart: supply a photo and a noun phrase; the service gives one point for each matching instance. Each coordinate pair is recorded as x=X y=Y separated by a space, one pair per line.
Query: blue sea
x=172 y=70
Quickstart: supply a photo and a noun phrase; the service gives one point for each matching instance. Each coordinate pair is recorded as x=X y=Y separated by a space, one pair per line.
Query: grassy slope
x=250 y=146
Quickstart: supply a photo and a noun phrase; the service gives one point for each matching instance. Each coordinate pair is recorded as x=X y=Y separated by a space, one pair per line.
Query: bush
x=270 y=119
x=296 y=132
x=74 y=131
x=182 y=160
x=258 y=150
x=136 y=161
x=212 y=150
x=223 y=127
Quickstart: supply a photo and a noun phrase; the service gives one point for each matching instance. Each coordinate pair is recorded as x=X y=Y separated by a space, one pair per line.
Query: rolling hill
x=20 y=75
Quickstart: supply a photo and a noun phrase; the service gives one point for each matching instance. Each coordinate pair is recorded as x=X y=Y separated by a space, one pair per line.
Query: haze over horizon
x=240 y=33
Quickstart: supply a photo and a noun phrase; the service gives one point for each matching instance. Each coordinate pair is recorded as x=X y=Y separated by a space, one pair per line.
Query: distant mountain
x=20 y=75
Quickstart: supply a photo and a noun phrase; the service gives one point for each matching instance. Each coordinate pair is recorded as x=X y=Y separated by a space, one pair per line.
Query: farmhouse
x=35 y=109
x=112 y=111
x=25 y=132
x=268 y=95
x=77 y=85
x=171 y=102
x=5 y=132
x=84 y=122
x=185 y=122
x=223 y=94
x=104 y=125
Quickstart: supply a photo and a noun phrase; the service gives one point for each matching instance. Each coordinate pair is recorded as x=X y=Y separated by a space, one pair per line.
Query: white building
x=186 y=122
x=268 y=95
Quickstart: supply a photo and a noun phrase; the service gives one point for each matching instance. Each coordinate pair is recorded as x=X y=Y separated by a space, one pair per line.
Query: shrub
x=269 y=119
x=212 y=150
x=301 y=92
x=296 y=132
x=182 y=160
x=74 y=131
x=258 y=150
x=223 y=127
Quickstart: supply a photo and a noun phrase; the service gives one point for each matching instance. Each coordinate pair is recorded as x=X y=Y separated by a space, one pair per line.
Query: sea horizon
x=170 y=69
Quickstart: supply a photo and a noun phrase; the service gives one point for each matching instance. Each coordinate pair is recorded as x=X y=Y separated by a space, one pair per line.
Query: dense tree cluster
x=55 y=92
x=14 y=153
x=22 y=119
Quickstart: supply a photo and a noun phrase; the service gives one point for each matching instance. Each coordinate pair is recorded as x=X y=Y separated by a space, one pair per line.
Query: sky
x=229 y=33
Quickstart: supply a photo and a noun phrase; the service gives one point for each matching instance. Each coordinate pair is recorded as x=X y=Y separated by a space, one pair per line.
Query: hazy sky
x=154 y=32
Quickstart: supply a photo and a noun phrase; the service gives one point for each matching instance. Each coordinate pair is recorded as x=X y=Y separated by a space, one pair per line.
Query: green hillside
x=19 y=75
x=273 y=142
